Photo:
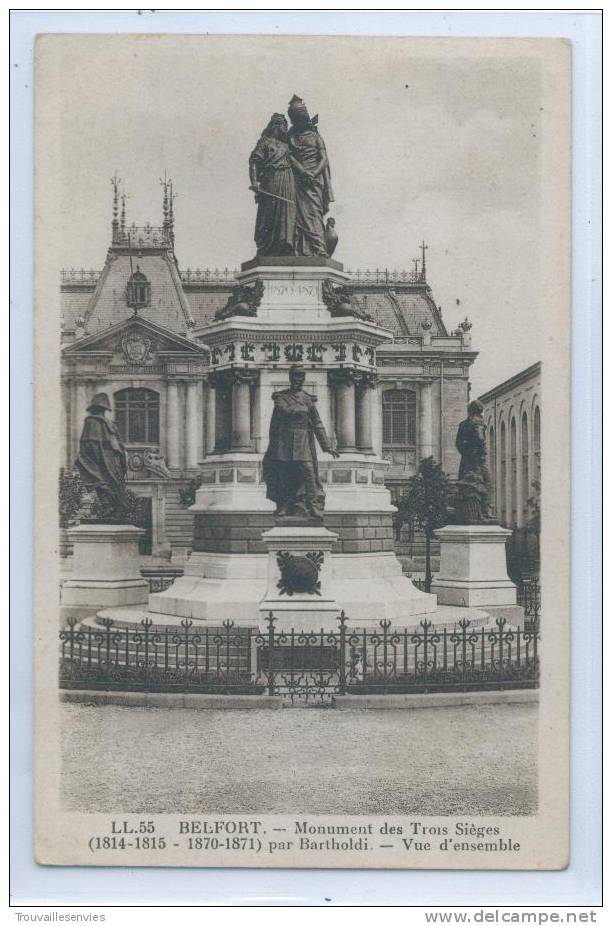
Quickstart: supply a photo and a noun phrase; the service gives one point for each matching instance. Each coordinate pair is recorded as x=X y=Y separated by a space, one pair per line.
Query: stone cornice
x=237 y=328
x=433 y=352
x=529 y=373
x=390 y=379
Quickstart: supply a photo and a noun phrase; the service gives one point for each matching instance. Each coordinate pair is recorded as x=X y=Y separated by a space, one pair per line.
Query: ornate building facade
x=129 y=330
x=513 y=417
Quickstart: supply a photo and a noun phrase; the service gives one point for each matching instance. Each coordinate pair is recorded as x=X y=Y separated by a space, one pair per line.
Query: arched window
x=502 y=473
x=492 y=461
x=137 y=415
x=399 y=418
x=525 y=487
x=537 y=469
x=513 y=472
x=138 y=290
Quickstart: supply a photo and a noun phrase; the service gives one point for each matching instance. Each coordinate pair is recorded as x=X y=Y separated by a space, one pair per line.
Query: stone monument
x=292 y=364
x=473 y=550
x=106 y=564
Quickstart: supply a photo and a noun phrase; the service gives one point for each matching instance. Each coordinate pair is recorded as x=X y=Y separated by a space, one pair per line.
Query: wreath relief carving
x=299 y=574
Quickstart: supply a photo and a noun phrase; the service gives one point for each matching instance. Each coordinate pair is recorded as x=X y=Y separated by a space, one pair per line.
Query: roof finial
x=424 y=247
x=415 y=261
x=168 y=231
x=164 y=184
x=171 y=214
x=115 y=224
x=122 y=225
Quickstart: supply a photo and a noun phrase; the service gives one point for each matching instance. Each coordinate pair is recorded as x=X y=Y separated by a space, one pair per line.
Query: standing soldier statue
x=290 y=468
x=474 y=484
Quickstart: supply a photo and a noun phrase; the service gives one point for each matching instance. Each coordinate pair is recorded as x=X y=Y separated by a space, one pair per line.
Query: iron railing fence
x=228 y=274
x=378 y=275
x=143 y=236
x=386 y=276
x=529 y=596
x=209 y=275
x=80 y=276
x=303 y=665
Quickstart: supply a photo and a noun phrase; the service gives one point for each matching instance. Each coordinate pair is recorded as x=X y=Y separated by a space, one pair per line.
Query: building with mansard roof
x=128 y=330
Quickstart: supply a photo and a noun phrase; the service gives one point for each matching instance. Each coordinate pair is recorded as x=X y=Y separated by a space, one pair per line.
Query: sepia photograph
x=302 y=325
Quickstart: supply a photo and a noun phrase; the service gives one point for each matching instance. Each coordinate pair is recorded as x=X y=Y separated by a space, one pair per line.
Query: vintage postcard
x=302 y=451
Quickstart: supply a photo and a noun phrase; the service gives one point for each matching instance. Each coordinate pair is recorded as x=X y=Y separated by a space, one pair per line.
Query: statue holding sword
x=289 y=174
x=272 y=181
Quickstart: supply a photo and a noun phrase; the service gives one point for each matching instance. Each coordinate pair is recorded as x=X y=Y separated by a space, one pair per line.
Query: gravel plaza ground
x=440 y=761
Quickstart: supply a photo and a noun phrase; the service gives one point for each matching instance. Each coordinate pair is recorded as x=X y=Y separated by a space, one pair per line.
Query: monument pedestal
x=300 y=577
x=234 y=569
x=106 y=567
x=473 y=568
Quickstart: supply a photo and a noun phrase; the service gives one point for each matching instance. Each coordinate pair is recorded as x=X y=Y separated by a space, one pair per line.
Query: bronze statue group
x=290 y=176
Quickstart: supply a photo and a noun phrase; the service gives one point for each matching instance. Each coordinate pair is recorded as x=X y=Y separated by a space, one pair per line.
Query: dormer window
x=138 y=290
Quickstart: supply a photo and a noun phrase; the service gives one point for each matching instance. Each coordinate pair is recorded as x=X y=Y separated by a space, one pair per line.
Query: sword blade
x=276 y=196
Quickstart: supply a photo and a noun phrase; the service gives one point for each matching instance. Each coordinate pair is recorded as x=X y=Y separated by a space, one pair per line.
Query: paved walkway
x=463 y=760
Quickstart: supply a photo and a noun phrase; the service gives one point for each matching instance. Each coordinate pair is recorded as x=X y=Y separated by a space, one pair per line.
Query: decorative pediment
x=137 y=340
x=136 y=347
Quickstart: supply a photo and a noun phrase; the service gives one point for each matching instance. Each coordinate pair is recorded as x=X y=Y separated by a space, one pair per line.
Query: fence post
x=228 y=624
x=463 y=626
x=501 y=621
x=146 y=623
x=425 y=624
x=252 y=651
x=270 y=623
x=342 y=667
x=72 y=621
x=536 y=637
x=107 y=623
x=385 y=624
x=185 y=624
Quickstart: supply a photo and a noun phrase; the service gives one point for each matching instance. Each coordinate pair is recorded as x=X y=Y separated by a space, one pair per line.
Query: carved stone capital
x=225 y=379
x=366 y=380
x=245 y=376
x=220 y=379
x=345 y=376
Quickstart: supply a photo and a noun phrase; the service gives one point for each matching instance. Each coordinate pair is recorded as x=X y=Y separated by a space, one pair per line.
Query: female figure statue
x=313 y=182
x=271 y=175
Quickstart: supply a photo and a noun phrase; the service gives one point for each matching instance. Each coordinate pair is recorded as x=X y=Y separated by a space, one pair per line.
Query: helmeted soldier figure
x=290 y=468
